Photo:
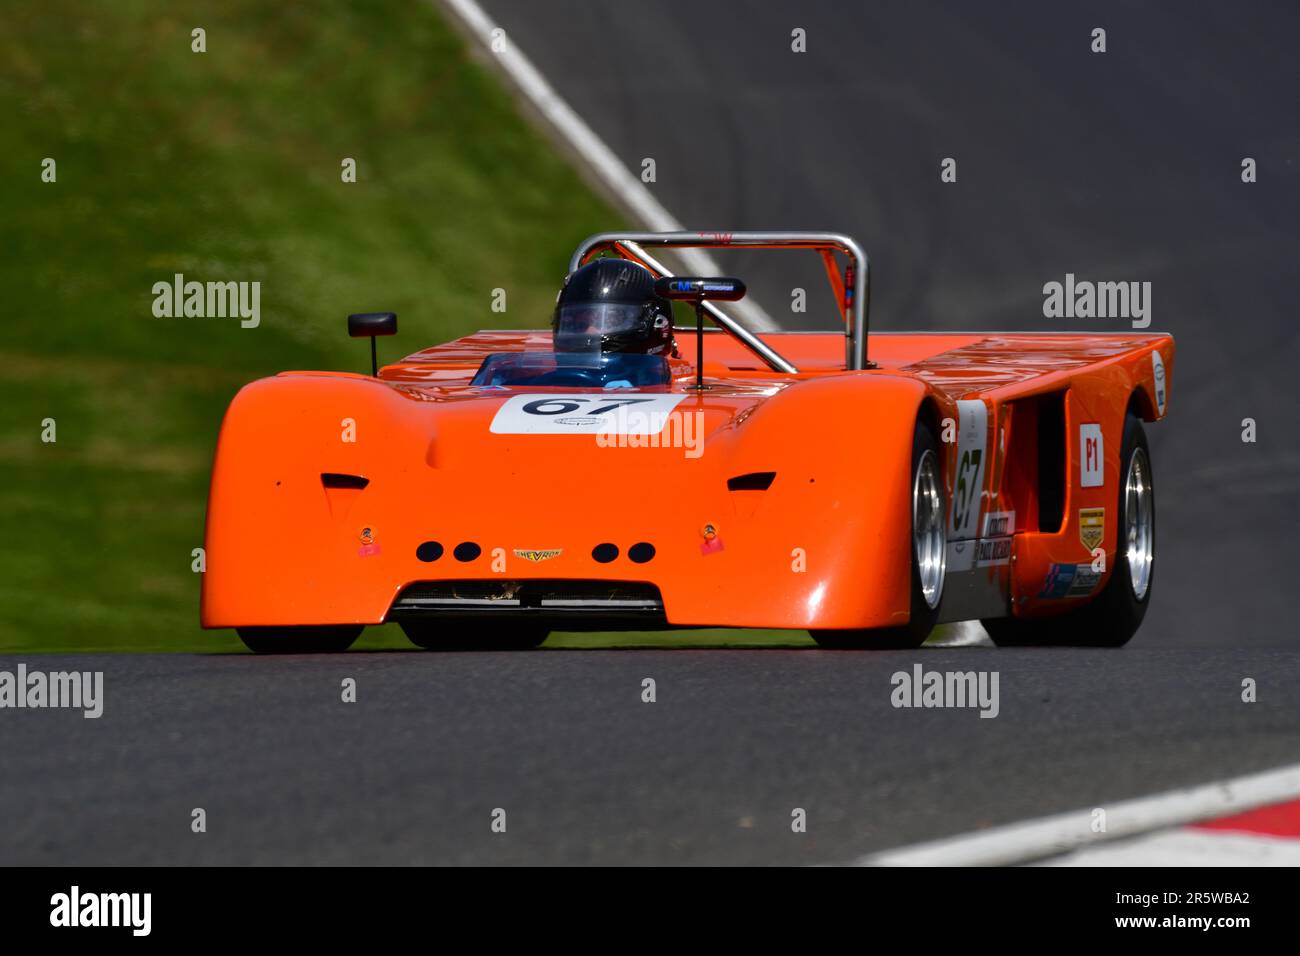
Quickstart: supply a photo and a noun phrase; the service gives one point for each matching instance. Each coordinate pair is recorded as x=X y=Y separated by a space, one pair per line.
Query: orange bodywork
x=826 y=545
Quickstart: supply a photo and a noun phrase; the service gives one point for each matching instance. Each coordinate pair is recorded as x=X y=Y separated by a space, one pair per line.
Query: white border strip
x=1188 y=847
x=629 y=190
x=1054 y=835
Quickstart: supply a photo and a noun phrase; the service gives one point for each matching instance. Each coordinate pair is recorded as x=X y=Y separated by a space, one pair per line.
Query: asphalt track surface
x=1123 y=166
x=588 y=773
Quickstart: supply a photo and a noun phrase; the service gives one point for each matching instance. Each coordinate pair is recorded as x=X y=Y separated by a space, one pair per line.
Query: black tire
x=1113 y=616
x=923 y=617
x=442 y=637
x=299 y=640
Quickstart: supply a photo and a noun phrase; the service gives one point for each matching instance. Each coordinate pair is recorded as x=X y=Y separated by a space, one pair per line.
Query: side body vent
x=332 y=479
x=754 y=481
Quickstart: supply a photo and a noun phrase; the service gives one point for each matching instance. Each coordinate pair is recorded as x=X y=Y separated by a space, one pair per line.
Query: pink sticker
x=366 y=550
x=710 y=546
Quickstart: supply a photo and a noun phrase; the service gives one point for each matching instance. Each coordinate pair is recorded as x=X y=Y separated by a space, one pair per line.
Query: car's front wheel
x=299 y=640
x=929 y=557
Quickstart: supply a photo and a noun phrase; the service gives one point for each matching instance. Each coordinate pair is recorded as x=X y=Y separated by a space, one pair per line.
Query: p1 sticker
x=968 y=480
x=584 y=414
x=1091 y=453
x=1092 y=527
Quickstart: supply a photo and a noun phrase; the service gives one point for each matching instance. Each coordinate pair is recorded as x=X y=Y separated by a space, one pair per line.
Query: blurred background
x=226 y=165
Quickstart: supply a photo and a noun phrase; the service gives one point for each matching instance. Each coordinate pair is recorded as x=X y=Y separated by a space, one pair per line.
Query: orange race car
x=864 y=490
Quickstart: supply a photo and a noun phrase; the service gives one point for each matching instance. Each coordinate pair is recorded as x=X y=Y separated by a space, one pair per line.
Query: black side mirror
x=370 y=324
x=699 y=288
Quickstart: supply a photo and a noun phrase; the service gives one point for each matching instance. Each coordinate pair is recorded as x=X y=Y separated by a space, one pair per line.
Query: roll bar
x=853 y=306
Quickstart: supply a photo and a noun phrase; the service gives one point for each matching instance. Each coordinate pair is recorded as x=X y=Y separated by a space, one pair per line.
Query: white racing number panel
x=1091 y=456
x=586 y=413
x=968 y=481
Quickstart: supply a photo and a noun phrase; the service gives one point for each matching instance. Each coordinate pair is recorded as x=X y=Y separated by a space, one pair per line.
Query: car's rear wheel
x=1113 y=616
x=442 y=637
x=929 y=556
x=299 y=640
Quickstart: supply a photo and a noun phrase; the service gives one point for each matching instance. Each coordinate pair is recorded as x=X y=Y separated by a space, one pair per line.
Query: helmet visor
x=597 y=319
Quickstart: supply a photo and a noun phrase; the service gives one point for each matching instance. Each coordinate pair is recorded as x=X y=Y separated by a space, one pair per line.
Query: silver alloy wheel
x=1139 y=523
x=929 y=536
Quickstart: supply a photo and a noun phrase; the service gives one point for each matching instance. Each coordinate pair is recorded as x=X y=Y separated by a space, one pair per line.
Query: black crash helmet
x=610 y=305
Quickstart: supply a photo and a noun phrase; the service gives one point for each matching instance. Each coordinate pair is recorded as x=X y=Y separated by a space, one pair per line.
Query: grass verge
x=226 y=165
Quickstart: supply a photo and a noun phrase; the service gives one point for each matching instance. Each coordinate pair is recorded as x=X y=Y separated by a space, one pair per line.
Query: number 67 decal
x=567 y=406
x=968 y=480
x=560 y=414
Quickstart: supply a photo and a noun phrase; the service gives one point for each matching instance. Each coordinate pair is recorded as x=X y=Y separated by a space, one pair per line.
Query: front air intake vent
x=571 y=605
x=754 y=481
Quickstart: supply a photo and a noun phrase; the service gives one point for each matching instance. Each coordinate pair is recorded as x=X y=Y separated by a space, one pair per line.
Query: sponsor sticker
x=994 y=546
x=1091 y=454
x=998 y=524
x=1069 y=580
x=993 y=551
x=1092 y=527
x=1085 y=580
x=1158 y=372
x=584 y=414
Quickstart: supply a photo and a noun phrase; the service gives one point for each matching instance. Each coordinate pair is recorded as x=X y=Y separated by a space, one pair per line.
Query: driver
x=610 y=305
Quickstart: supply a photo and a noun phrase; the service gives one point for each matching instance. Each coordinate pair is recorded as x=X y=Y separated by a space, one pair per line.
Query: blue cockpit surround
x=606 y=370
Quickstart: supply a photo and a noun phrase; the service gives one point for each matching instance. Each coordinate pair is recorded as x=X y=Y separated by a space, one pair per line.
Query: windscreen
x=608 y=370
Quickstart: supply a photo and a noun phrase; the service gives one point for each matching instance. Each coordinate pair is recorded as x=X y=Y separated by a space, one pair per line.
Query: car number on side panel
x=968 y=479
